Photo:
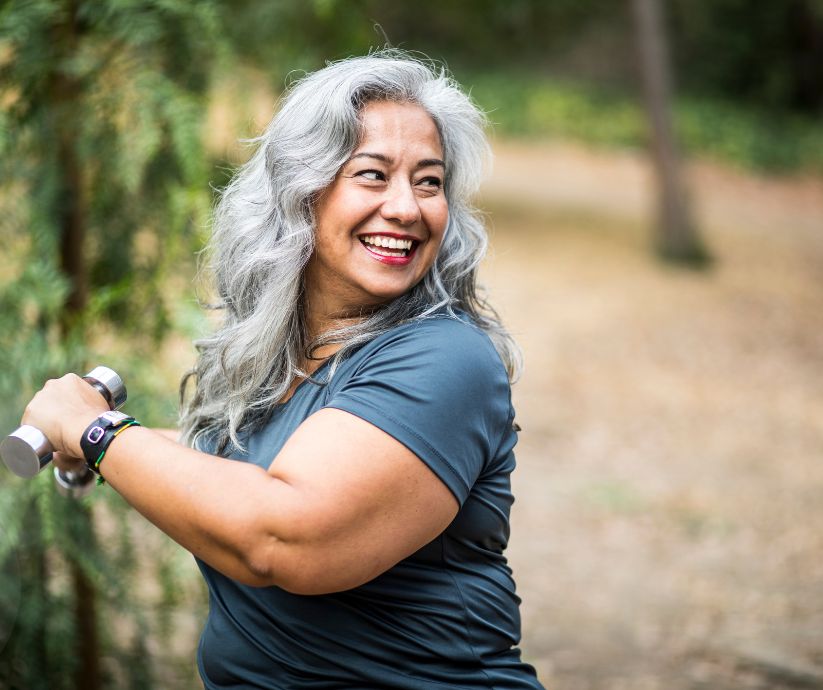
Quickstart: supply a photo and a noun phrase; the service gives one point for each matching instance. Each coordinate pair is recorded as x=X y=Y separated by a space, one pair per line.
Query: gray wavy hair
x=263 y=237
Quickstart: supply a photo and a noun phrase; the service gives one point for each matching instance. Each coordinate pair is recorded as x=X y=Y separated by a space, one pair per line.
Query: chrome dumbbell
x=27 y=451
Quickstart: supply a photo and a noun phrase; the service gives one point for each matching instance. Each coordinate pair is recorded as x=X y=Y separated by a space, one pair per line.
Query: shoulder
x=438 y=386
x=454 y=340
x=443 y=359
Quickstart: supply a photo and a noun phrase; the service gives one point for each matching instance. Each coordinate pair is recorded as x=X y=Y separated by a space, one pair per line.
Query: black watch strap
x=100 y=433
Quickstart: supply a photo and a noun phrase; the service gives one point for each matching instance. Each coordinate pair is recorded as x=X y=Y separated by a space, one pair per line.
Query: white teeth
x=387 y=242
x=389 y=252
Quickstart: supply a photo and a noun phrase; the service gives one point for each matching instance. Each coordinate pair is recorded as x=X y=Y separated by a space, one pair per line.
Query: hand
x=66 y=463
x=63 y=409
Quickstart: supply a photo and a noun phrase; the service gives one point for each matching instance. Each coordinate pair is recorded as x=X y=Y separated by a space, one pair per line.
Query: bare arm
x=172 y=434
x=341 y=503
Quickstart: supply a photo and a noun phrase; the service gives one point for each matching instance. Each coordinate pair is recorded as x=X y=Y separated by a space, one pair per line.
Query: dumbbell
x=27 y=451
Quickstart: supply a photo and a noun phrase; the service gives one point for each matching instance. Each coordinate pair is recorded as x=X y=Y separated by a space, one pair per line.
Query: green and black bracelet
x=98 y=436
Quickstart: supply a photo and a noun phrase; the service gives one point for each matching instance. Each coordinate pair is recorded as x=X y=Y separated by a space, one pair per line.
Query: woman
x=343 y=480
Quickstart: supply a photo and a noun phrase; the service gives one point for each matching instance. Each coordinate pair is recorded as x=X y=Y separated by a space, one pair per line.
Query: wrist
x=74 y=429
x=98 y=435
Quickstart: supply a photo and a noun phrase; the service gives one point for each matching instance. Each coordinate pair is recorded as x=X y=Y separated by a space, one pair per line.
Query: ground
x=667 y=526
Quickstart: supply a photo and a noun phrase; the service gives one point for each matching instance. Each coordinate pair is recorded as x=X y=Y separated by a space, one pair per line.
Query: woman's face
x=379 y=225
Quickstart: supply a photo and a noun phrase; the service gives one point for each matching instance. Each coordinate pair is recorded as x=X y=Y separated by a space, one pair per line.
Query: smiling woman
x=379 y=225
x=343 y=480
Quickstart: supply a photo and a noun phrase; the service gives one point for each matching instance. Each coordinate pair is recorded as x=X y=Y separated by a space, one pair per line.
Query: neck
x=322 y=316
x=327 y=308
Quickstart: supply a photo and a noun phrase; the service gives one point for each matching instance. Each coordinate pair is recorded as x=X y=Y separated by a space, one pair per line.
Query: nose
x=400 y=204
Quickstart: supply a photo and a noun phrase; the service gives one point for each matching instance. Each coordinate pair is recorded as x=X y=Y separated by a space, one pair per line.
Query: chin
x=383 y=294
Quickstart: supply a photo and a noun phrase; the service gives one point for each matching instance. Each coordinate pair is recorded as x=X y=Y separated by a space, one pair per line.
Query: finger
x=67 y=463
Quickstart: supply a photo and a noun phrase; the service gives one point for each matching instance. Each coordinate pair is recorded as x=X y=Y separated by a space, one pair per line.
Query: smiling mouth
x=389 y=246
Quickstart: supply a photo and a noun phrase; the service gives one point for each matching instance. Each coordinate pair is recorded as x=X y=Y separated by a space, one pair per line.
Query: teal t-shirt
x=445 y=617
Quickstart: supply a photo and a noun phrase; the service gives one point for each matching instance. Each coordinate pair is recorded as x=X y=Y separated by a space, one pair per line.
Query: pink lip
x=392 y=260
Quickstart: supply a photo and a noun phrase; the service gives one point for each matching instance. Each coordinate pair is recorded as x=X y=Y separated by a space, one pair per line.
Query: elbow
x=304 y=569
x=320 y=581
x=307 y=584
x=293 y=572
x=307 y=556
x=261 y=565
x=284 y=560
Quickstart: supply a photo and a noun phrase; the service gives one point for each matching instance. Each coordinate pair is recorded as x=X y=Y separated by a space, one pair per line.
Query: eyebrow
x=425 y=163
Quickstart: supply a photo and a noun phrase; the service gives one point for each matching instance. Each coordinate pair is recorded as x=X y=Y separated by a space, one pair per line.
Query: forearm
x=220 y=510
x=172 y=434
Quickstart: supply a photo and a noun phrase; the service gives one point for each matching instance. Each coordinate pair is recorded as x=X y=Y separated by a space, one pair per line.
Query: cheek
x=331 y=234
x=438 y=220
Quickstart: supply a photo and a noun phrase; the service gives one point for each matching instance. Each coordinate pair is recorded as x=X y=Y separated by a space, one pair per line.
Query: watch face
x=113 y=416
x=95 y=434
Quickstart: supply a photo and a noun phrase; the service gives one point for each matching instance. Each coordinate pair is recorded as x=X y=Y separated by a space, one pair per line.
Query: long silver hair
x=263 y=237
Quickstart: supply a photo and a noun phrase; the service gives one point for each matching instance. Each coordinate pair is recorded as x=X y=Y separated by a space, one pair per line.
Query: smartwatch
x=100 y=433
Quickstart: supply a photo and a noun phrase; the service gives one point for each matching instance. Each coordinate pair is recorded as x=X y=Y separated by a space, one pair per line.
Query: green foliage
x=504 y=34
x=750 y=78
x=768 y=54
x=761 y=140
x=537 y=106
x=100 y=130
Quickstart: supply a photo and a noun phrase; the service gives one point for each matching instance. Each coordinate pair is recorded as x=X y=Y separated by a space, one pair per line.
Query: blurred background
x=656 y=215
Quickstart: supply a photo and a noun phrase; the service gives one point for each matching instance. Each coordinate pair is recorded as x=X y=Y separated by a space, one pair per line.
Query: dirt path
x=667 y=530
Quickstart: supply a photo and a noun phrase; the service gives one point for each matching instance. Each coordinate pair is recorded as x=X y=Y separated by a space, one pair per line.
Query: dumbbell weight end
x=26 y=451
x=75 y=484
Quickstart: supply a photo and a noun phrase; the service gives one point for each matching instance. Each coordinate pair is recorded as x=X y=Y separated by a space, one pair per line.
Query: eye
x=431 y=181
x=371 y=175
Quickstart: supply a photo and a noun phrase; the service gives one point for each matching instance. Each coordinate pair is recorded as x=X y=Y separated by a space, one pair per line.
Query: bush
x=538 y=106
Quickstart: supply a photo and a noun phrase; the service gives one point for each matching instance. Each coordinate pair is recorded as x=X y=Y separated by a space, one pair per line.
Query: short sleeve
x=438 y=387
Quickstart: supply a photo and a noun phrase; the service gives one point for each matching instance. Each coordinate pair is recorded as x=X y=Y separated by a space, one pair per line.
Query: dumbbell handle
x=27 y=451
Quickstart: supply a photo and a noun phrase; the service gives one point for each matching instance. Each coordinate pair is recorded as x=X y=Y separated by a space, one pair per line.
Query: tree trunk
x=677 y=238
x=71 y=213
x=87 y=675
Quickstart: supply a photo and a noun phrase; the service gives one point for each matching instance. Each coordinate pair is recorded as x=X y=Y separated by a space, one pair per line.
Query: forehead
x=399 y=126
